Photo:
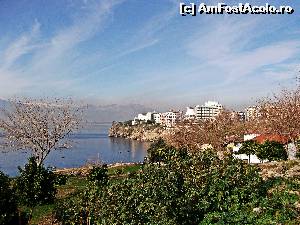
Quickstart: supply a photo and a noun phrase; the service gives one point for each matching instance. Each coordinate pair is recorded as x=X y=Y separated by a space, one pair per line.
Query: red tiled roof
x=271 y=137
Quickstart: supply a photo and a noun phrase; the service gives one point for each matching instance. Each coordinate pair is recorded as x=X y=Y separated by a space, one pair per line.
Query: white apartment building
x=170 y=118
x=190 y=113
x=209 y=110
x=251 y=113
x=143 y=117
x=157 y=118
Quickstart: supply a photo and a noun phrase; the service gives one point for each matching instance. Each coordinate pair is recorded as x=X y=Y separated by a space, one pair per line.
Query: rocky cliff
x=142 y=132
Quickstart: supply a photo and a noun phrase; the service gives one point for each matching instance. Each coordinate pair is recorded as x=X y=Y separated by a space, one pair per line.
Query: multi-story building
x=157 y=118
x=252 y=113
x=190 y=113
x=143 y=117
x=208 y=111
x=242 y=115
x=170 y=118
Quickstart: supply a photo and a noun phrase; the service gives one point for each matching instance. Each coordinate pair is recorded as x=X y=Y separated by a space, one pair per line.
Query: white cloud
x=11 y=78
x=69 y=38
x=226 y=46
x=21 y=46
x=48 y=63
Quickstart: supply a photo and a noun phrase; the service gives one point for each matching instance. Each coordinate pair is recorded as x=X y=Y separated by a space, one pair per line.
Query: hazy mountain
x=114 y=112
x=105 y=113
x=3 y=103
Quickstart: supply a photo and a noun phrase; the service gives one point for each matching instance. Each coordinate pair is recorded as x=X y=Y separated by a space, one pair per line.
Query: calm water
x=90 y=144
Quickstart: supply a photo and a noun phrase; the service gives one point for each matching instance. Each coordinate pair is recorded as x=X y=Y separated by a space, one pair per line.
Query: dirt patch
x=287 y=169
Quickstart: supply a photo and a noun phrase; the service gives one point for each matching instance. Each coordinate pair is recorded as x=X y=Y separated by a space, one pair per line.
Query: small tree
x=99 y=175
x=272 y=151
x=39 y=125
x=156 y=151
x=249 y=148
x=36 y=184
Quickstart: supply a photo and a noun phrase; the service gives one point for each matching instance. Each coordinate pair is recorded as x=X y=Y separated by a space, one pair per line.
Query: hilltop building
x=143 y=117
x=157 y=118
x=251 y=113
x=170 y=118
x=190 y=113
x=209 y=110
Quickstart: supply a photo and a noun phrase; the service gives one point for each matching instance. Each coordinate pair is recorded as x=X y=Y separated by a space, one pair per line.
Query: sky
x=144 y=52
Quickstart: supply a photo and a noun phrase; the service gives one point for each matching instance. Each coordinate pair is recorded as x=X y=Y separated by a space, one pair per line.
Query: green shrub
x=272 y=151
x=36 y=184
x=99 y=175
x=181 y=191
x=159 y=151
x=156 y=150
x=187 y=189
x=8 y=205
x=73 y=209
x=119 y=171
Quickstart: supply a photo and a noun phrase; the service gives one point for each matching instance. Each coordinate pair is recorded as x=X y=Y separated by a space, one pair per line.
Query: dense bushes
x=8 y=204
x=35 y=185
x=185 y=189
x=272 y=151
x=159 y=152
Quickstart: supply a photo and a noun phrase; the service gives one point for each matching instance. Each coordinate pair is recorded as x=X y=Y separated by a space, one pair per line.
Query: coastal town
x=151 y=126
x=208 y=110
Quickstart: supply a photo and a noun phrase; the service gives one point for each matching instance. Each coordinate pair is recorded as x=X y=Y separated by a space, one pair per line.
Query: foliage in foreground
x=185 y=189
x=8 y=205
x=36 y=184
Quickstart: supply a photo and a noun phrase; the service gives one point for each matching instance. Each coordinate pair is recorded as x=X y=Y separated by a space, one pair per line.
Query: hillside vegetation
x=142 y=132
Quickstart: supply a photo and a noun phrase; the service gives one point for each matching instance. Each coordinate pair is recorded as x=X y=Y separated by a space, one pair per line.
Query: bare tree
x=39 y=125
x=280 y=114
x=217 y=132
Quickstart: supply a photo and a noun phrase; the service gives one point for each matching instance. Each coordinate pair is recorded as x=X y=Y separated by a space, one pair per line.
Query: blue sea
x=91 y=144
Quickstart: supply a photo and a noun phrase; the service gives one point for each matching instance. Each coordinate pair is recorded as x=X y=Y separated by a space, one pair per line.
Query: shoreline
x=84 y=170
